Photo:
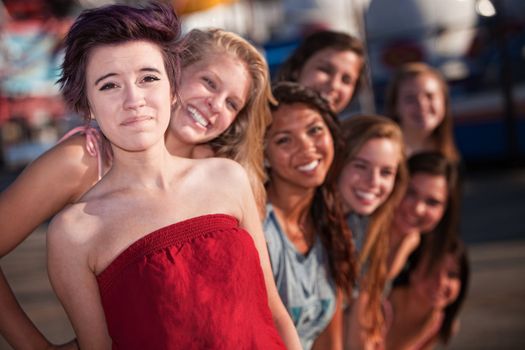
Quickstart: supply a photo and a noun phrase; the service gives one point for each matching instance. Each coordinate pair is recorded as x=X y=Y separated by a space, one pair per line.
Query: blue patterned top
x=303 y=281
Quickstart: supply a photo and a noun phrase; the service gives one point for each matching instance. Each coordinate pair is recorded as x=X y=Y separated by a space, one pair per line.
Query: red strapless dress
x=195 y=284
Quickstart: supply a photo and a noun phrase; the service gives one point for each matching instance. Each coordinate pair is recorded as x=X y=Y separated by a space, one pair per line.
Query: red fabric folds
x=195 y=284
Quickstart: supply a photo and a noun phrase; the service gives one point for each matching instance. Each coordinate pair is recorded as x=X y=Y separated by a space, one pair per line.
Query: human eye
x=316 y=129
x=358 y=164
x=282 y=140
x=108 y=86
x=233 y=105
x=150 y=78
x=432 y=202
x=325 y=68
x=346 y=79
x=209 y=82
x=387 y=172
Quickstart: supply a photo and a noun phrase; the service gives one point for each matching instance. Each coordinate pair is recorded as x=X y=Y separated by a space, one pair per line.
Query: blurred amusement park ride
x=479 y=45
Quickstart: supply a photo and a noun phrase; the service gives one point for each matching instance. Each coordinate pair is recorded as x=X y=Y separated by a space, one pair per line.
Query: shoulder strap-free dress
x=195 y=284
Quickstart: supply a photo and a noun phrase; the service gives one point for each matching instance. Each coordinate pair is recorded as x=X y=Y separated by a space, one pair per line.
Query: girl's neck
x=149 y=168
x=292 y=208
x=416 y=141
x=178 y=148
x=291 y=201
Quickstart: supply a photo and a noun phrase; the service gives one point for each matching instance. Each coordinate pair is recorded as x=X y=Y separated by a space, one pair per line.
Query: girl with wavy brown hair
x=309 y=244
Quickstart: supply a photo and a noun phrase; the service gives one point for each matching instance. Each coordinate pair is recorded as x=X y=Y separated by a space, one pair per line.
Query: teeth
x=365 y=195
x=197 y=116
x=310 y=166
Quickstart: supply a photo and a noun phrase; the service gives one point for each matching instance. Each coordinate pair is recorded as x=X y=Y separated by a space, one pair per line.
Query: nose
x=215 y=103
x=134 y=98
x=373 y=177
x=419 y=207
x=441 y=281
x=306 y=143
x=422 y=102
x=335 y=82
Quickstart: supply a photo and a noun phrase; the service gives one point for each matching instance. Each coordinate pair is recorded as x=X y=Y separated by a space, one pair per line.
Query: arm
x=15 y=324
x=332 y=336
x=251 y=222
x=56 y=178
x=399 y=257
x=357 y=336
x=74 y=280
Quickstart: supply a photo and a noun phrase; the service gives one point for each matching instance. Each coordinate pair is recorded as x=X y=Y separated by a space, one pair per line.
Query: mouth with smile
x=197 y=117
x=367 y=197
x=310 y=166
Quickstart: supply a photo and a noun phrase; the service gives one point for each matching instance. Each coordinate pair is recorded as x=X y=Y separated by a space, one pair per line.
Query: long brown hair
x=443 y=135
x=357 y=130
x=326 y=209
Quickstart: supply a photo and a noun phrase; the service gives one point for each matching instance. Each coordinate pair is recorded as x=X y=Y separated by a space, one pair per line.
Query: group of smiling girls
x=199 y=208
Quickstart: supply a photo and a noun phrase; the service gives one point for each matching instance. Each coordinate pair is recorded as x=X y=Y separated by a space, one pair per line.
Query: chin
x=365 y=211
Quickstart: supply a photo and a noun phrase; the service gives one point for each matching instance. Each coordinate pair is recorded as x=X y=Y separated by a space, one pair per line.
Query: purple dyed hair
x=116 y=24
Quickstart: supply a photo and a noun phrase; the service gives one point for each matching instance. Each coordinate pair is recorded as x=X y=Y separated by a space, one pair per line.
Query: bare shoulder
x=225 y=170
x=218 y=185
x=71 y=227
x=227 y=175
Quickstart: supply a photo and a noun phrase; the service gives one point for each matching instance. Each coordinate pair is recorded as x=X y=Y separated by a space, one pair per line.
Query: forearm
x=287 y=331
x=332 y=336
x=15 y=325
x=401 y=254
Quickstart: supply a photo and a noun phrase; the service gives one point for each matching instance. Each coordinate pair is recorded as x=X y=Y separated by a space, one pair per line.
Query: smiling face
x=424 y=204
x=441 y=286
x=421 y=104
x=299 y=148
x=129 y=93
x=334 y=74
x=212 y=92
x=367 y=179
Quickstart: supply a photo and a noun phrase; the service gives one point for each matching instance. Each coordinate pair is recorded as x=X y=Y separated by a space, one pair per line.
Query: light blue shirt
x=358 y=225
x=303 y=281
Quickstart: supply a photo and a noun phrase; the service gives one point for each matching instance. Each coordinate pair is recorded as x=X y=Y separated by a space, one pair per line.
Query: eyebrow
x=145 y=69
x=289 y=132
x=361 y=160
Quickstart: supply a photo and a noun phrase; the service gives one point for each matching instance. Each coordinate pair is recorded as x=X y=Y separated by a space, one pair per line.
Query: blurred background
x=479 y=45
